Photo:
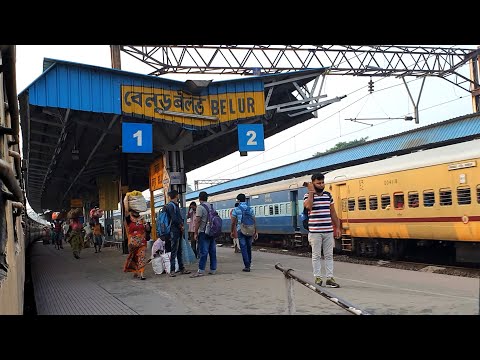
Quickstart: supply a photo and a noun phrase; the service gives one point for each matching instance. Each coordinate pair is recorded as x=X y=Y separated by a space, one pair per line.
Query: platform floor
x=61 y=286
x=96 y=284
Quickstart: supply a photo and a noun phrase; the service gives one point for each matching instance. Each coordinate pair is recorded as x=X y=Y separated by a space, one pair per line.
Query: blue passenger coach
x=277 y=207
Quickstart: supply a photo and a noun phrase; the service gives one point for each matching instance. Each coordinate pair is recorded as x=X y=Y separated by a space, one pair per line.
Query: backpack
x=214 y=222
x=247 y=224
x=163 y=224
x=57 y=226
x=304 y=217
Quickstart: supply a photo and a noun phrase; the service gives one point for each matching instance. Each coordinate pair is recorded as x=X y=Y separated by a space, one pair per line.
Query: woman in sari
x=137 y=245
x=75 y=233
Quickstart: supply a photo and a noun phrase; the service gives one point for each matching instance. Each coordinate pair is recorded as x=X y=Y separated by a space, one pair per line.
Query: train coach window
x=289 y=211
x=478 y=194
x=351 y=204
x=464 y=196
x=276 y=209
x=428 y=198
x=445 y=197
x=373 y=203
x=362 y=203
x=270 y=210
x=413 y=199
x=385 y=201
x=398 y=201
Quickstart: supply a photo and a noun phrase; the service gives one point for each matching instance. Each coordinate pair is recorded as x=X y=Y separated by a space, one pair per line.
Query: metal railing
x=289 y=280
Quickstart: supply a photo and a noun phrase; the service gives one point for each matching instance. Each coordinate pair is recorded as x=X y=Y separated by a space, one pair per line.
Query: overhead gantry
x=355 y=60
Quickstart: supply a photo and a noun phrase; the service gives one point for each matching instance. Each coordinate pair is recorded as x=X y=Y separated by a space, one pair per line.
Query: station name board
x=194 y=110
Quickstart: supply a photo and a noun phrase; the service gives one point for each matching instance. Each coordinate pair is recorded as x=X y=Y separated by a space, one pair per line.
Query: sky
x=440 y=100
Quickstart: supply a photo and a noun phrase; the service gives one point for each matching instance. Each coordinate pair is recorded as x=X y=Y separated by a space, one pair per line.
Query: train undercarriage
x=428 y=251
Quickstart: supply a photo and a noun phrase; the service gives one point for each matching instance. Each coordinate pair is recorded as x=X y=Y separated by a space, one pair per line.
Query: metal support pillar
x=115 y=57
x=123 y=190
x=176 y=171
x=475 y=77
x=290 y=305
x=415 y=106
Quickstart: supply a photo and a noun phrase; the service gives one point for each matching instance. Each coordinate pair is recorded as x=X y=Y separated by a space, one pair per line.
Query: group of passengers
x=206 y=248
x=323 y=227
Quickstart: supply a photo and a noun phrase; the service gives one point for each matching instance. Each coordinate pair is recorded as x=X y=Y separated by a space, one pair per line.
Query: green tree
x=343 y=145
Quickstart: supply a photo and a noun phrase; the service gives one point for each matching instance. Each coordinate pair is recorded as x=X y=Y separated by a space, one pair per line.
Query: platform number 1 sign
x=250 y=137
x=137 y=138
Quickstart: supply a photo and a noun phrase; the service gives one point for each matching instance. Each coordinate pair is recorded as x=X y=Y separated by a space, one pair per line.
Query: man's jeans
x=317 y=241
x=246 y=247
x=175 y=238
x=207 y=246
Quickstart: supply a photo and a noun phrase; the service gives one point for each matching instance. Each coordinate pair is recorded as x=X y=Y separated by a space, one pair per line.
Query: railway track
x=467 y=270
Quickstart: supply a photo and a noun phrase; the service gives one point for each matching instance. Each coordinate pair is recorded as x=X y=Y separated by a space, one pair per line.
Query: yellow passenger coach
x=429 y=198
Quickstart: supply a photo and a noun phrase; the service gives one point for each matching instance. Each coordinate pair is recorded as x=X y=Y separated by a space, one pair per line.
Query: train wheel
x=395 y=247
x=291 y=243
x=357 y=244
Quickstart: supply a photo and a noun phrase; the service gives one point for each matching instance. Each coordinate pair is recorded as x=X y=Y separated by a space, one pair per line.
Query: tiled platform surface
x=62 y=288
x=96 y=284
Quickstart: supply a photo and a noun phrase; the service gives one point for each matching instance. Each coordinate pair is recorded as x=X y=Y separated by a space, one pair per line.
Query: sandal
x=142 y=278
x=185 y=271
x=197 y=274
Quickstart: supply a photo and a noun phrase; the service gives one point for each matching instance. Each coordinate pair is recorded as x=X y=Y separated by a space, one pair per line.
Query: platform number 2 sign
x=250 y=137
x=137 y=138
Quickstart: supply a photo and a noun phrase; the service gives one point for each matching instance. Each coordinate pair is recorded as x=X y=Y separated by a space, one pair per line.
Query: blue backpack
x=214 y=222
x=247 y=224
x=163 y=224
x=304 y=218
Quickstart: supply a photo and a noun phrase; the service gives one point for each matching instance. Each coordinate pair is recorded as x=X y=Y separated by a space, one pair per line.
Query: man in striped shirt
x=321 y=212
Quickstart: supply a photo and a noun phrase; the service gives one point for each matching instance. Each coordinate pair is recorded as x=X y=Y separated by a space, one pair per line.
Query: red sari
x=137 y=245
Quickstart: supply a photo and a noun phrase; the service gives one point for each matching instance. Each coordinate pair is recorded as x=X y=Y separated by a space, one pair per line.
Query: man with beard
x=320 y=230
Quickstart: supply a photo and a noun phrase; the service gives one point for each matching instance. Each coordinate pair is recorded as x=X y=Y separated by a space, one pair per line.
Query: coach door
x=345 y=243
x=294 y=202
x=342 y=208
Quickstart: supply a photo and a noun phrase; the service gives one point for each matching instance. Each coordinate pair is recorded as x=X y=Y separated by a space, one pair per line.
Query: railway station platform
x=95 y=284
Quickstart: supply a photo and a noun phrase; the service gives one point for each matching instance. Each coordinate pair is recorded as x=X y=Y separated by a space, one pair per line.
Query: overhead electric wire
x=323 y=142
x=320 y=121
x=315 y=124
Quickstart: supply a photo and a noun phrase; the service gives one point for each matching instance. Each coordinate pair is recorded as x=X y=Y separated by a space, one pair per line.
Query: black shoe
x=331 y=283
x=246 y=269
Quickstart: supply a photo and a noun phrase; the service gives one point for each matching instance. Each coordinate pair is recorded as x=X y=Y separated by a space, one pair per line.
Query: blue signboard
x=137 y=138
x=250 y=137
